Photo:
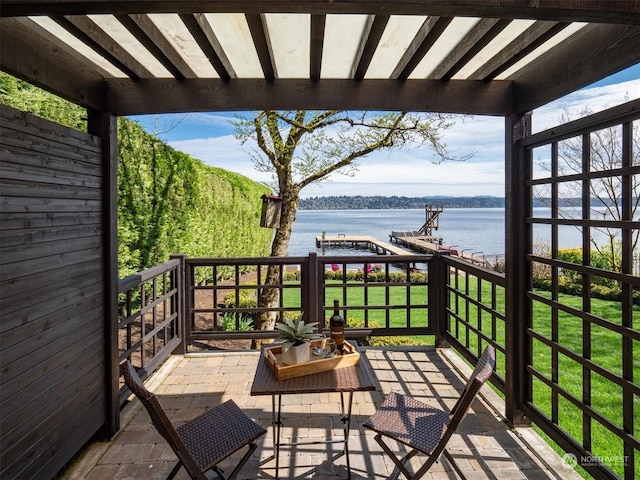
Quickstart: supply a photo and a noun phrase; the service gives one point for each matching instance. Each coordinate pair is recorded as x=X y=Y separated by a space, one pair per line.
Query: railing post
x=181 y=288
x=438 y=299
x=310 y=285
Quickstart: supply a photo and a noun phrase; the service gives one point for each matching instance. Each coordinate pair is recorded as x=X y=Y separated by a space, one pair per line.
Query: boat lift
x=432 y=219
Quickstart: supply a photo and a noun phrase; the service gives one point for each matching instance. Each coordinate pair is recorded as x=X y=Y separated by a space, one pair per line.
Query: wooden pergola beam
x=127 y=97
x=600 y=11
x=51 y=64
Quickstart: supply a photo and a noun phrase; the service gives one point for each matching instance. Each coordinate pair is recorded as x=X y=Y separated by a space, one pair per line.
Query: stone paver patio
x=483 y=448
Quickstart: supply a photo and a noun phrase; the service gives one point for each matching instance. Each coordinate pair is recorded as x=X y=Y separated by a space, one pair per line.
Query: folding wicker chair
x=424 y=428
x=200 y=444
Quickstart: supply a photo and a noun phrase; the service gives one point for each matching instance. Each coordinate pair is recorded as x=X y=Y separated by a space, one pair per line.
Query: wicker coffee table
x=347 y=380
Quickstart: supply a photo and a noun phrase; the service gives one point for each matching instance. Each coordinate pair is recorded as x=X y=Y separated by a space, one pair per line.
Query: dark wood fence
x=52 y=294
x=575 y=350
x=475 y=313
x=150 y=318
x=224 y=294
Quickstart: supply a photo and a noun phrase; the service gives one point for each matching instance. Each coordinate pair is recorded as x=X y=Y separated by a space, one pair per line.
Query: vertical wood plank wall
x=52 y=345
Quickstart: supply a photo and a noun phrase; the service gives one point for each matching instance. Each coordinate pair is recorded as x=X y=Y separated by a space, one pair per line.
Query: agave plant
x=295 y=332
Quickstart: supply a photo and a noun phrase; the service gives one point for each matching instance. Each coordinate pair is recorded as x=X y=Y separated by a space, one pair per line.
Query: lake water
x=469 y=229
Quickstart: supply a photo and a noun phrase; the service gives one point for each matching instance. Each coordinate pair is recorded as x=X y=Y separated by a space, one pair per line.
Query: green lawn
x=375 y=295
x=606 y=352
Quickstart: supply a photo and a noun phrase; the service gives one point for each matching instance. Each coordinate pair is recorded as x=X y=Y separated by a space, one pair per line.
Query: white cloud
x=210 y=119
x=595 y=99
x=411 y=172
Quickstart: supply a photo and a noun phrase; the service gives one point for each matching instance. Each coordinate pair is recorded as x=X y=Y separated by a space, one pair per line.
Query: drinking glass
x=329 y=347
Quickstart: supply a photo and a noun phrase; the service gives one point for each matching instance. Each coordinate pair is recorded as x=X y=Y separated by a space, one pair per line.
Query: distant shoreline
x=375 y=202
x=359 y=202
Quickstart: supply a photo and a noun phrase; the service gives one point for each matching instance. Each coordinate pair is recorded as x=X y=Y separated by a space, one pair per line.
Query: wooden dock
x=359 y=241
x=411 y=241
x=419 y=243
x=429 y=244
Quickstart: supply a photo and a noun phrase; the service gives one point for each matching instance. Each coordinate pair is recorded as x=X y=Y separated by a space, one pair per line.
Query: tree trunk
x=270 y=297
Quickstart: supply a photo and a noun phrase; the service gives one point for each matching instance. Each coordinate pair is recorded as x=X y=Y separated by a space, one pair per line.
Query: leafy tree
x=169 y=202
x=605 y=155
x=304 y=147
x=24 y=96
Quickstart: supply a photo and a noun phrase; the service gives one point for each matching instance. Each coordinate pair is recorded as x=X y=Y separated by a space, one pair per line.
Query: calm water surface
x=480 y=230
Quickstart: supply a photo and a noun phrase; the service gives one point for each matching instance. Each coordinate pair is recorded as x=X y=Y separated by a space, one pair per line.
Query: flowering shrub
x=375 y=276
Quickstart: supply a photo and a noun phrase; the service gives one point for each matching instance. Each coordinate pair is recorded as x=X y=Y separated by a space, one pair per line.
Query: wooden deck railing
x=150 y=317
x=224 y=294
x=190 y=303
x=475 y=312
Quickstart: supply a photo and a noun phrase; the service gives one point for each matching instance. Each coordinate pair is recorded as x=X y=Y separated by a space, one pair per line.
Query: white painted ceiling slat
x=177 y=34
x=397 y=37
x=77 y=46
x=112 y=27
x=342 y=38
x=234 y=36
x=290 y=37
x=542 y=49
x=455 y=32
x=504 y=38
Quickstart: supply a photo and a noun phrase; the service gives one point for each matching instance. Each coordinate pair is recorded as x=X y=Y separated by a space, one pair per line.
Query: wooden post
x=311 y=298
x=438 y=299
x=180 y=308
x=188 y=300
x=518 y=204
x=104 y=125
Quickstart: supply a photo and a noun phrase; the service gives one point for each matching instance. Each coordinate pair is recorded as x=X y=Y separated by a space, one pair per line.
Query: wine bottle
x=337 y=327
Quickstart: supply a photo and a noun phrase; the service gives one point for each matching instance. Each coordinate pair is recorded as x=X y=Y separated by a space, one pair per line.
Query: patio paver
x=483 y=448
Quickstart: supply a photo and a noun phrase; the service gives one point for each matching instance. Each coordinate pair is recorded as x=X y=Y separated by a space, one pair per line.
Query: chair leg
x=453 y=463
x=175 y=470
x=400 y=462
x=243 y=460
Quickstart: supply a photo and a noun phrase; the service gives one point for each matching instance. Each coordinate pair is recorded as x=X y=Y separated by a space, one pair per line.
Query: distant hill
x=380 y=202
x=359 y=202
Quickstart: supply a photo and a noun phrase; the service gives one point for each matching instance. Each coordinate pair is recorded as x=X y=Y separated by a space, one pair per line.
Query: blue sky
x=209 y=138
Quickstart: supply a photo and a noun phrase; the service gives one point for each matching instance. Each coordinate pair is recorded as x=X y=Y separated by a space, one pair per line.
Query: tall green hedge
x=168 y=202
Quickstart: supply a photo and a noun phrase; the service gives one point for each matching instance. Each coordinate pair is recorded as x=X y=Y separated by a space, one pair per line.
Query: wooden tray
x=316 y=364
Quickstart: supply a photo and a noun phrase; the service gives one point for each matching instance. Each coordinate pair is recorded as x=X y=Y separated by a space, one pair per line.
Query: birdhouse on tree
x=271 y=206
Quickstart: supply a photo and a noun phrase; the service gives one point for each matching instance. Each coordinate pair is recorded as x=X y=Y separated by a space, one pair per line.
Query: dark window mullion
x=554 y=280
x=628 y=413
x=586 y=286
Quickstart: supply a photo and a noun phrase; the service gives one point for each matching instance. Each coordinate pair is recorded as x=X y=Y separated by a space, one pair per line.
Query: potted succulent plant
x=295 y=336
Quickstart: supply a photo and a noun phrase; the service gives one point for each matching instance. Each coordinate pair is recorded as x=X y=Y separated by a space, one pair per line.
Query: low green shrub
x=245 y=298
x=375 y=276
x=245 y=323
x=293 y=276
x=603 y=292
